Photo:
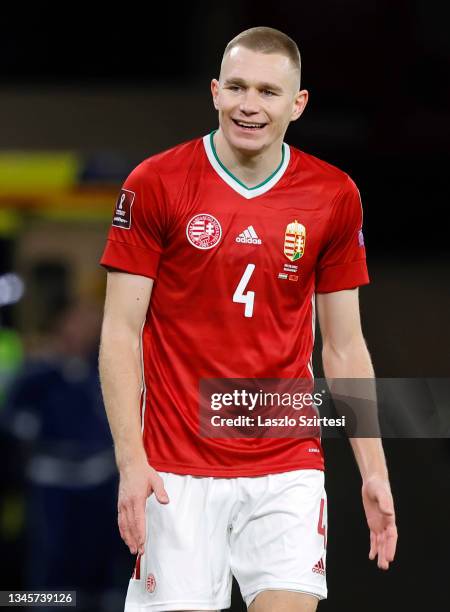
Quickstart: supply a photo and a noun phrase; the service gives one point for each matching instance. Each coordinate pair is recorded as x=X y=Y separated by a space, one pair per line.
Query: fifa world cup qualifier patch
x=122 y=212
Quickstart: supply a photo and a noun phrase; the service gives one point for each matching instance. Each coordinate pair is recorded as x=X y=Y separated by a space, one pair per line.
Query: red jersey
x=235 y=274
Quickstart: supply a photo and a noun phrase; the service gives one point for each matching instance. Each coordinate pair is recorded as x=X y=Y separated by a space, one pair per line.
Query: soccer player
x=219 y=251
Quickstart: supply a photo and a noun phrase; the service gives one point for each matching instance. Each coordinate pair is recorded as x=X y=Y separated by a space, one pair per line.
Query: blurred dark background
x=85 y=96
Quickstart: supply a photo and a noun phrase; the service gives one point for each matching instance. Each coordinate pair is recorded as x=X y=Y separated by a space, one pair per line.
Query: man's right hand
x=137 y=482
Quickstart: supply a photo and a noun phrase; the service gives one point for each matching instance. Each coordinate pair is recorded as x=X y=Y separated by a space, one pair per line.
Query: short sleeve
x=342 y=262
x=135 y=239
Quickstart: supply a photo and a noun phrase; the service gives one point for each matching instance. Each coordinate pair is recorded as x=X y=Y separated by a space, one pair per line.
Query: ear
x=215 y=92
x=300 y=102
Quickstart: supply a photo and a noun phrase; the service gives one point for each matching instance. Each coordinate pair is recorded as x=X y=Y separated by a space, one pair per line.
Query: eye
x=268 y=93
x=234 y=87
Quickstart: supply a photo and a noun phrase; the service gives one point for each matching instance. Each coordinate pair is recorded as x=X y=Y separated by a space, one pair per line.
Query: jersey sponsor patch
x=122 y=213
x=294 y=241
x=204 y=231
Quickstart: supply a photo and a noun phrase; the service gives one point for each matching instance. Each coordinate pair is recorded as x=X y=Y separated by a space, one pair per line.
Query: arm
x=127 y=299
x=345 y=355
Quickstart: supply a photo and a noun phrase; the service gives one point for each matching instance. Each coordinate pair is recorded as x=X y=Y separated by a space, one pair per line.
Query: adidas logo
x=249 y=236
x=319 y=567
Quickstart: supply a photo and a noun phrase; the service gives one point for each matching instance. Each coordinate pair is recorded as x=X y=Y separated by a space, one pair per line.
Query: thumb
x=385 y=505
x=160 y=492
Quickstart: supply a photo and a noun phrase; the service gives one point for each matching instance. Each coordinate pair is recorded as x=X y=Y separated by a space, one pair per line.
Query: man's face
x=257 y=97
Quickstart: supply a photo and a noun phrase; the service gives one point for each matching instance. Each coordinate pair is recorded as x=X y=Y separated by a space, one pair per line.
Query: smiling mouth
x=250 y=126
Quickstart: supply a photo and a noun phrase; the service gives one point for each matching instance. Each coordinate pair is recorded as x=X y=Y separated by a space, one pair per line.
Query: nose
x=249 y=104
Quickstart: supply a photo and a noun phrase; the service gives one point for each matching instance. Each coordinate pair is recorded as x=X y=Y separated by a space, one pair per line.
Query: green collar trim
x=269 y=178
x=236 y=184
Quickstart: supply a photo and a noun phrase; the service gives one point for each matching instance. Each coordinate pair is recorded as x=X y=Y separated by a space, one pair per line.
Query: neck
x=249 y=169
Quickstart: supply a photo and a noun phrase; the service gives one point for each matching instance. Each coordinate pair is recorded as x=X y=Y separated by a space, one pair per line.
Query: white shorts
x=267 y=531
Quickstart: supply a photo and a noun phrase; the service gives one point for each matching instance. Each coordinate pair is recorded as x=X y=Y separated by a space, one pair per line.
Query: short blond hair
x=267 y=40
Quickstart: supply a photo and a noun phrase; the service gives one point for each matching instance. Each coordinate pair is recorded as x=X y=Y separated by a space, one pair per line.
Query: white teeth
x=250 y=125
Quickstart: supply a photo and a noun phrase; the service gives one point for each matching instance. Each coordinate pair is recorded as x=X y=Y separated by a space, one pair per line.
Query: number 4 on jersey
x=245 y=298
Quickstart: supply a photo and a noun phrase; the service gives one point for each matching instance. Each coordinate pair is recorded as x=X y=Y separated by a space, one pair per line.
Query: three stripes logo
x=249 y=236
x=319 y=567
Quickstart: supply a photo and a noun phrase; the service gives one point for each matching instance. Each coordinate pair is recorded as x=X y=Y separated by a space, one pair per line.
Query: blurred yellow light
x=10 y=222
x=22 y=172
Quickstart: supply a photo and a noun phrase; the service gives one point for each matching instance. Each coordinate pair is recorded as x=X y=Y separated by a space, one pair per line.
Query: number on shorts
x=321 y=529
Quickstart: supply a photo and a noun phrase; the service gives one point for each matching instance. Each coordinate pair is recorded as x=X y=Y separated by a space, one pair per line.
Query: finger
x=135 y=521
x=123 y=529
x=380 y=552
x=382 y=562
x=120 y=524
x=139 y=525
x=129 y=528
x=391 y=543
x=159 y=490
x=373 y=546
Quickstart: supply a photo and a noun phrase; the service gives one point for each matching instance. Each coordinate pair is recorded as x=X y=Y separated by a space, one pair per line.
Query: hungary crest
x=203 y=231
x=294 y=241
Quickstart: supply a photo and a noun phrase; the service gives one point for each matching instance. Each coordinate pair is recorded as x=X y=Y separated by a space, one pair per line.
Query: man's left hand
x=380 y=514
